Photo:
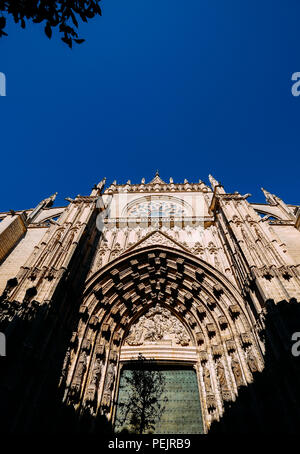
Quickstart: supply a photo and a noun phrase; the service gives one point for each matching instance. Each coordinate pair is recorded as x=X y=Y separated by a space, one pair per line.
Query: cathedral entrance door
x=179 y=398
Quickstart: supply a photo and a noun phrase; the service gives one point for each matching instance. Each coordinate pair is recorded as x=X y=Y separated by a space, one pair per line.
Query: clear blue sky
x=190 y=88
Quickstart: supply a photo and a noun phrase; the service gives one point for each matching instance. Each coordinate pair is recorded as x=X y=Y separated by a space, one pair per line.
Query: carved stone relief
x=197 y=249
x=158 y=325
x=115 y=251
x=100 y=255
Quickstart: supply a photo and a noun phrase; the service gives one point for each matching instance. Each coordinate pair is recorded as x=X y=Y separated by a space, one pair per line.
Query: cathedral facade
x=203 y=282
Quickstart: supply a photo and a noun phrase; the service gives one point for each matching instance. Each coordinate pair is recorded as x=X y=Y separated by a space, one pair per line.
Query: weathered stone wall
x=11 y=230
x=18 y=256
x=291 y=237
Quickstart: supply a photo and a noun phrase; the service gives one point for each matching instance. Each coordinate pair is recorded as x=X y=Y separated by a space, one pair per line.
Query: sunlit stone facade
x=182 y=273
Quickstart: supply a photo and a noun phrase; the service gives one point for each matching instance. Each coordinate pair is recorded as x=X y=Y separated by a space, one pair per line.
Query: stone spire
x=274 y=200
x=271 y=199
x=45 y=203
x=50 y=200
x=101 y=185
x=214 y=183
x=98 y=189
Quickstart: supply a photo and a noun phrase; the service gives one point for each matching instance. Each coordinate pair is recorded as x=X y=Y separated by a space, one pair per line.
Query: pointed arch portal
x=173 y=308
x=159 y=335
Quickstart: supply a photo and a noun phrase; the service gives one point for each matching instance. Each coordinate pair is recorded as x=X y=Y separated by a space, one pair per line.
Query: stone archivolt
x=159 y=296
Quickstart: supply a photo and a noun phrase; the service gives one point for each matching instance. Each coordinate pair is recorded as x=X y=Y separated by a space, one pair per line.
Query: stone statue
x=81 y=367
x=206 y=378
x=65 y=366
x=237 y=372
x=95 y=378
x=79 y=373
x=96 y=374
x=221 y=375
x=251 y=361
x=110 y=376
x=222 y=381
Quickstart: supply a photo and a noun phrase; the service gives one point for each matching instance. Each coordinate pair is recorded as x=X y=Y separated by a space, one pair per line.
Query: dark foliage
x=63 y=14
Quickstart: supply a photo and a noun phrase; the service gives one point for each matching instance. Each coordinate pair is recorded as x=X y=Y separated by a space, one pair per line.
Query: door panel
x=182 y=414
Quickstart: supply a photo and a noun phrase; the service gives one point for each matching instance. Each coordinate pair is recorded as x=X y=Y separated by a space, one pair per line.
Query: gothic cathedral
x=202 y=283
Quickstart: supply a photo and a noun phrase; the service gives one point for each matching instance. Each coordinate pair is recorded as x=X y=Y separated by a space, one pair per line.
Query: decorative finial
x=101 y=185
x=143 y=181
x=157 y=179
x=46 y=203
x=171 y=180
x=50 y=200
x=213 y=181
x=270 y=198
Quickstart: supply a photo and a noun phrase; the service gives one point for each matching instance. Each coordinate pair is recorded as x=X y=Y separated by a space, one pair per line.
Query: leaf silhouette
x=63 y=14
x=2 y=22
x=48 y=30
